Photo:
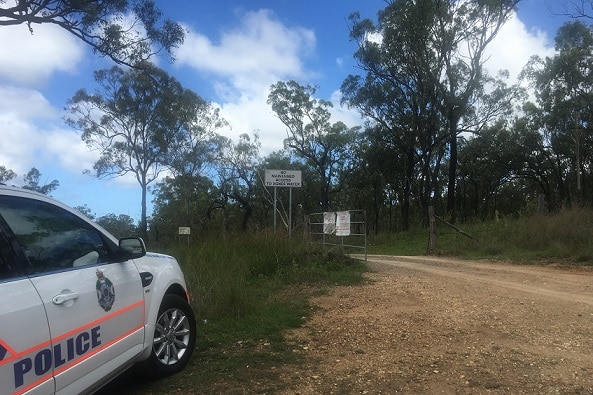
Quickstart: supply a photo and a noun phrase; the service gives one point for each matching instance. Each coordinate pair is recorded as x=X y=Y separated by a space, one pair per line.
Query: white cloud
x=255 y=54
x=25 y=103
x=31 y=59
x=250 y=115
x=17 y=143
x=30 y=137
x=20 y=137
x=67 y=148
x=514 y=46
x=25 y=145
x=30 y=126
x=244 y=63
x=350 y=117
x=261 y=50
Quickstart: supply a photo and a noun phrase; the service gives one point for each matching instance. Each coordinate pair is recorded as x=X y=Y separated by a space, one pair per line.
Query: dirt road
x=440 y=326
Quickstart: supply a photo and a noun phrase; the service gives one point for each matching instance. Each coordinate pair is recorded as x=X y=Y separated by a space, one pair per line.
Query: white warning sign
x=283 y=178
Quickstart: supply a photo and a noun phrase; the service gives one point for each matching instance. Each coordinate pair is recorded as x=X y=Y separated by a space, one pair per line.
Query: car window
x=8 y=259
x=52 y=238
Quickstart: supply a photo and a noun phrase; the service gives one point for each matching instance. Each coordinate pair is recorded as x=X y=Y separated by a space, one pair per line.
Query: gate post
x=432 y=236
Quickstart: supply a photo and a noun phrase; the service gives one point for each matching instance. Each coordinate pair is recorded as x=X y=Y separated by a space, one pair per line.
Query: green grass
x=413 y=242
x=246 y=291
x=564 y=238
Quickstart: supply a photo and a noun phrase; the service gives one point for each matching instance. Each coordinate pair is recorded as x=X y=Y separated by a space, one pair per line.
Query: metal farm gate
x=345 y=229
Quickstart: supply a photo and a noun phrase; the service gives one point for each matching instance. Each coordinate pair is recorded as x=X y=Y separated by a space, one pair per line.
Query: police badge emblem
x=105 y=291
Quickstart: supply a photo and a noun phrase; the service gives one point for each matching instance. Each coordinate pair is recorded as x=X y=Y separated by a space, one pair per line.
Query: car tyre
x=174 y=338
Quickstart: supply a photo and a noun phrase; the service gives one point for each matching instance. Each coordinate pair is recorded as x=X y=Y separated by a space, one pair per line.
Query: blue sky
x=233 y=52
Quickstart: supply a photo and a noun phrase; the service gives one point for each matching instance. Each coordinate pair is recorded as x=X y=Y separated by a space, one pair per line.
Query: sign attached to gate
x=283 y=178
x=343 y=223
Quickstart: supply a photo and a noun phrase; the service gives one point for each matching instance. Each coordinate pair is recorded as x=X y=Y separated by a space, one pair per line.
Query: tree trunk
x=451 y=198
x=143 y=224
x=405 y=210
x=247 y=210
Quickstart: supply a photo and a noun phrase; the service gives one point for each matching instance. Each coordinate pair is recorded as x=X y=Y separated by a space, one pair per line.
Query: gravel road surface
x=445 y=326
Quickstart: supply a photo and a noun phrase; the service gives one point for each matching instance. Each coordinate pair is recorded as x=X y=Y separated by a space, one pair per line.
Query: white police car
x=78 y=307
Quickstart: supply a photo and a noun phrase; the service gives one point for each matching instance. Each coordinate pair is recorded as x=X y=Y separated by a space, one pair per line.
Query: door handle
x=63 y=298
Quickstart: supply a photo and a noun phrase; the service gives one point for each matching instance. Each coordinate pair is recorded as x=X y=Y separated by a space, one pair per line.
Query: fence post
x=541 y=203
x=432 y=236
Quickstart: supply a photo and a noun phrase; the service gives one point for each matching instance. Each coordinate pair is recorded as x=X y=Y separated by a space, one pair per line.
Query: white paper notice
x=343 y=223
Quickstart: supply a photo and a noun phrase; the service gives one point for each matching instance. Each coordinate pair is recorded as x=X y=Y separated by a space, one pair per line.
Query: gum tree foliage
x=134 y=120
x=193 y=156
x=185 y=198
x=121 y=225
x=563 y=111
x=322 y=145
x=541 y=167
x=373 y=185
x=423 y=64
x=32 y=182
x=487 y=163
x=189 y=197
x=237 y=173
x=6 y=174
x=86 y=211
x=172 y=209
x=127 y=31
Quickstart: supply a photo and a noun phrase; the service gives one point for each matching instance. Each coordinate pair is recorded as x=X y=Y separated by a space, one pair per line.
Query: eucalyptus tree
x=372 y=184
x=121 y=225
x=398 y=93
x=544 y=167
x=322 y=145
x=487 y=163
x=133 y=120
x=194 y=155
x=173 y=209
x=127 y=31
x=238 y=165
x=6 y=174
x=33 y=182
x=564 y=95
x=423 y=65
x=464 y=32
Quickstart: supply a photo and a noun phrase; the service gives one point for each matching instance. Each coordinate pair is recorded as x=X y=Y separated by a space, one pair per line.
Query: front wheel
x=174 y=337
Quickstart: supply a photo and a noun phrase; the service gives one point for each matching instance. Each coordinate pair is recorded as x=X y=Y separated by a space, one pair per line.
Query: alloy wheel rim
x=171 y=337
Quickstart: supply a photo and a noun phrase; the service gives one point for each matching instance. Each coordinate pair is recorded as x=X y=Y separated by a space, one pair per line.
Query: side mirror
x=131 y=248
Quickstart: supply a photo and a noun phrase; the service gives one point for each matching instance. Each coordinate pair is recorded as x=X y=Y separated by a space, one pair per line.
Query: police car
x=78 y=307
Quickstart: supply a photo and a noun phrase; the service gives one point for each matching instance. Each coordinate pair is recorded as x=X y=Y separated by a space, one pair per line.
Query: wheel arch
x=179 y=290
x=153 y=305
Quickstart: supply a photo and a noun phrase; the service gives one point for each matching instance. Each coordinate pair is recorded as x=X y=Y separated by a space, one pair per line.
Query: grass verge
x=562 y=238
x=246 y=292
